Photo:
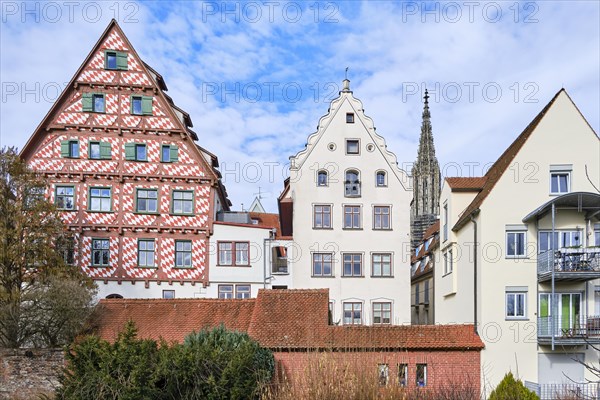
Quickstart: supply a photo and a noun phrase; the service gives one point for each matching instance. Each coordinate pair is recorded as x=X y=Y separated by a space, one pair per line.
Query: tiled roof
x=277 y=319
x=497 y=170
x=266 y=220
x=461 y=184
x=433 y=228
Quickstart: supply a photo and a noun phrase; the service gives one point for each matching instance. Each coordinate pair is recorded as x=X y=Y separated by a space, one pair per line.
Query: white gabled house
x=535 y=300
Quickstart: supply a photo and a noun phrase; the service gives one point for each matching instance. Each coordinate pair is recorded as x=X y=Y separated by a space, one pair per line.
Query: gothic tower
x=426 y=181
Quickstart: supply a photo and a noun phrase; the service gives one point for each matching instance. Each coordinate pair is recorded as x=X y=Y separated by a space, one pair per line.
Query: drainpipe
x=474 y=272
x=552 y=265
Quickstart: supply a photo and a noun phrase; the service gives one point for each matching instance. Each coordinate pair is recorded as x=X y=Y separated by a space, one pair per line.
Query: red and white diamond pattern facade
x=121 y=219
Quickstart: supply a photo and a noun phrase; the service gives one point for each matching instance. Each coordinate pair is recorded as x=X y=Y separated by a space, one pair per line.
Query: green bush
x=212 y=364
x=512 y=389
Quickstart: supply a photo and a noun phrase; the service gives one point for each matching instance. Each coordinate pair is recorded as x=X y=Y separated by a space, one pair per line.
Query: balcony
x=579 y=330
x=569 y=264
x=572 y=390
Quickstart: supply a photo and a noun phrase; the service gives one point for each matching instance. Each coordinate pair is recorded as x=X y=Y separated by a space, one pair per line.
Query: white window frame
x=352 y=310
x=516 y=233
x=515 y=296
x=557 y=174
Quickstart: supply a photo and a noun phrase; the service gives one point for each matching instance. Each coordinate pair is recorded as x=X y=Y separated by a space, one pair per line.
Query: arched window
x=380 y=179
x=114 y=296
x=322 y=178
x=352 y=183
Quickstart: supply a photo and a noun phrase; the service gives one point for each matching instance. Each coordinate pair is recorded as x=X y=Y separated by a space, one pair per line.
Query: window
x=417 y=292
x=421 y=375
x=560 y=182
x=226 y=291
x=402 y=374
x=146 y=253
x=352 y=265
x=322 y=264
x=426 y=293
x=93 y=102
x=383 y=373
x=352 y=184
x=66 y=247
x=597 y=237
x=183 y=202
x=352 y=146
x=183 y=254
x=141 y=105
x=65 y=197
x=322 y=217
x=169 y=153
x=233 y=253
x=381 y=264
x=99 y=151
x=380 y=179
x=352 y=217
x=349 y=118
x=448 y=266
x=100 y=252
x=100 y=199
x=146 y=201
x=381 y=217
x=445 y=230
x=69 y=148
x=382 y=313
x=352 y=313
x=168 y=294
x=136 y=152
x=115 y=60
x=561 y=238
x=515 y=244
x=515 y=305
x=322 y=178
x=242 y=291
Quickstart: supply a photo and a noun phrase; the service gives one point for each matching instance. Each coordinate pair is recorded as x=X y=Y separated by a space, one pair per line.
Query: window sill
x=66 y=209
x=517 y=257
x=382 y=276
x=279 y=273
x=516 y=319
x=99 y=266
x=353 y=276
x=176 y=267
x=145 y=213
x=182 y=215
x=323 y=229
x=234 y=266
x=352 y=229
x=383 y=229
x=100 y=212
x=147 y=266
x=322 y=276
x=447 y=273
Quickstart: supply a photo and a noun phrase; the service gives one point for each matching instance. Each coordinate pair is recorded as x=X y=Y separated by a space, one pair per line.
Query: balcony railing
x=552 y=391
x=569 y=264
x=577 y=329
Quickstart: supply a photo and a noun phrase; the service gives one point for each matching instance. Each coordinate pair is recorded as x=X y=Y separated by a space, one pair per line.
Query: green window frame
x=146 y=201
x=182 y=202
x=93 y=102
x=169 y=153
x=101 y=252
x=183 y=254
x=64 y=197
x=146 y=253
x=99 y=150
x=141 y=105
x=115 y=60
x=136 y=152
x=69 y=148
x=100 y=199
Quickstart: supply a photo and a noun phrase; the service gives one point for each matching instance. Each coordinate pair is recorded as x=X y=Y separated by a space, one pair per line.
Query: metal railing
x=569 y=260
x=577 y=327
x=568 y=391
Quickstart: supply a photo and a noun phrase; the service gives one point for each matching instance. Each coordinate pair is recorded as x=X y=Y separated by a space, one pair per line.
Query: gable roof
x=283 y=320
x=156 y=79
x=502 y=163
x=468 y=184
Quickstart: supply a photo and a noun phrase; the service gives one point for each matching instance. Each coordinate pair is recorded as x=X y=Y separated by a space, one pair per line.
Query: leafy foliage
x=512 y=389
x=212 y=364
x=43 y=301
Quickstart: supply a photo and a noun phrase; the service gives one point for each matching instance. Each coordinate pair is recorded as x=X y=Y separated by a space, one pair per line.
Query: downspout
x=474 y=273
x=552 y=299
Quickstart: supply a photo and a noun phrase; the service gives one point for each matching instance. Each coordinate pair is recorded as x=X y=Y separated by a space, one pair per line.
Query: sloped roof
x=502 y=163
x=462 y=184
x=277 y=319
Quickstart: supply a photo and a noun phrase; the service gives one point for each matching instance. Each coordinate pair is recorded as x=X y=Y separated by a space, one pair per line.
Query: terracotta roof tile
x=460 y=184
x=497 y=170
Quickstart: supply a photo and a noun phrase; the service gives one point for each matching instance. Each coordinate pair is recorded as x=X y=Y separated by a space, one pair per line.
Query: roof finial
x=426 y=97
x=346 y=82
x=347 y=73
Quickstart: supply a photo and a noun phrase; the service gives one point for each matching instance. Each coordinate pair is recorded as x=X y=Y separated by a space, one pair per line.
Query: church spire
x=426 y=180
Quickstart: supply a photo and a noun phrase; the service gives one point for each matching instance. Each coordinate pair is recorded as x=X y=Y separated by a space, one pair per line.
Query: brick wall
x=25 y=373
x=454 y=369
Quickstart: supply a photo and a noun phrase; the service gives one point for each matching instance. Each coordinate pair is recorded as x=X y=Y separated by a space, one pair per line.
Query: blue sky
x=256 y=76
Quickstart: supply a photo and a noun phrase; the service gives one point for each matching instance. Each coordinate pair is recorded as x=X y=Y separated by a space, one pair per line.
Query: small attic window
x=115 y=60
x=254 y=221
x=349 y=118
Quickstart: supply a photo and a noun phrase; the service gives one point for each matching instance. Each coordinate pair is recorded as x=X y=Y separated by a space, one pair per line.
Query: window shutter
x=105 y=150
x=147 y=105
x=86 y=102
x=174 y=153
x=121 y=60
x=130 y=151
x=64 y=148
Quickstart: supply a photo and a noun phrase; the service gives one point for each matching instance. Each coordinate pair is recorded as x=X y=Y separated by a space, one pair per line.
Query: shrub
x=512 y=389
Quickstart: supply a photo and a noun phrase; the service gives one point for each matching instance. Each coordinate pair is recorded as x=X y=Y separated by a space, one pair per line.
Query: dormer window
x=352 y=184
x=322 y=178
x=349 y=118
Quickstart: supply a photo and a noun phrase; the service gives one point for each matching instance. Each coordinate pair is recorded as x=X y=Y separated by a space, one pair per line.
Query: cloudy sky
x=256 y=76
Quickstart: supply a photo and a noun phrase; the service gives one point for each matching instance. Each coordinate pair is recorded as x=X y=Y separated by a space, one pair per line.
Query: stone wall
x=26 y=373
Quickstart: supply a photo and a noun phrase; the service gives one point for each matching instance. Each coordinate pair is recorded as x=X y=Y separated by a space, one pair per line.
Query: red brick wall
x=444 y=368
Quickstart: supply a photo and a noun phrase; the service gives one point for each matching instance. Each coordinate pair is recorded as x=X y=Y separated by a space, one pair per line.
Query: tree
x=510 y=388
x=43 y=301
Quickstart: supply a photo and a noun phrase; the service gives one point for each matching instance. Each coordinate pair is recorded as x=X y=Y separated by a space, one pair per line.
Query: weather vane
x=346 y=72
